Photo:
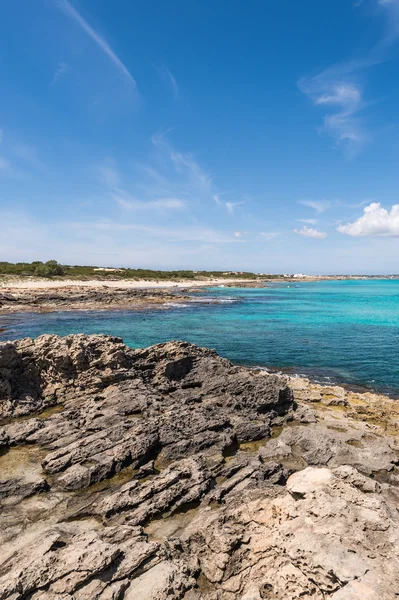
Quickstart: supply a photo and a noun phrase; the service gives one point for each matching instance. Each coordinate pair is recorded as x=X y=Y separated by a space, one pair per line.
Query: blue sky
x=252 y=135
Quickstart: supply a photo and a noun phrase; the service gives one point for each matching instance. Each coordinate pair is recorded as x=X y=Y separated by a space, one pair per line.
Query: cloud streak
x=308 y=221
x=126 y=201
x=71 y=12
x=319 y=206
x=229 y=206
x=62 y=67
x=168 y=76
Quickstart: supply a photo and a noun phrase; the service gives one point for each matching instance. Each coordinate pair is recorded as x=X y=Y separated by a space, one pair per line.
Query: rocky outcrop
x=84 y=298
x=169 y=473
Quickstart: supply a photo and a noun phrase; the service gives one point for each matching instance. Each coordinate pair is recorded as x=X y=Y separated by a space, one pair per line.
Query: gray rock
x=152 y=474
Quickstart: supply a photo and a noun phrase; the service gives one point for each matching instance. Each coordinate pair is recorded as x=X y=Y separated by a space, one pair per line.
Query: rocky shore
x=84 y=298
x=169 y=473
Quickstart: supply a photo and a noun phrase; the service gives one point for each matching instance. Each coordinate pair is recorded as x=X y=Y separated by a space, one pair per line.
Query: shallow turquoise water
x=347 y=331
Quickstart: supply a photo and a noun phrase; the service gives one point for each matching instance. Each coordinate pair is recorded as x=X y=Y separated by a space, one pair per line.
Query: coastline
x=36 y=283
x=47 y=284
x=71 y=298
x=49 y=296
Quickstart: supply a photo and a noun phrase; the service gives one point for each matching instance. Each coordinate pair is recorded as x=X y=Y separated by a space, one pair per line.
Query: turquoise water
x=343 y=331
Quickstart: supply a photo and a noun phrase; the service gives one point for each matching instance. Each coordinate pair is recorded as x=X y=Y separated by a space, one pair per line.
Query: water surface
x=344 y=330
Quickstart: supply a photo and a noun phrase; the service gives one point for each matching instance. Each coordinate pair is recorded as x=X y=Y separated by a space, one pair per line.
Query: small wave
x=225 y=300
x=176 y=305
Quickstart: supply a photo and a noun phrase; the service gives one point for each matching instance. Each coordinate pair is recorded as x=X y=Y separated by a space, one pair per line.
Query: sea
x=344 y=332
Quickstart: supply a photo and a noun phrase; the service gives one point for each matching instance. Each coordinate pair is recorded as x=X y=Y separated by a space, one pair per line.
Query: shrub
x=49 y=269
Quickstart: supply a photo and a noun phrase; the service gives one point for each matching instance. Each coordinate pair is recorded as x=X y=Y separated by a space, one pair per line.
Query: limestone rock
x=167 y=473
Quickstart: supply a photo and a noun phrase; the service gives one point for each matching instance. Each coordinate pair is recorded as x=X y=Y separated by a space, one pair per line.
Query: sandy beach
x=40 y=284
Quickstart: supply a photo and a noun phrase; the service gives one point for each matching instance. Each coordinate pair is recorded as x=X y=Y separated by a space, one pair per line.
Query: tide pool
x=343 y=331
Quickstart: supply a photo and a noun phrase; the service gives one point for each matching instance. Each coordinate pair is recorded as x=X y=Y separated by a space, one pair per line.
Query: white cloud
x=310 y=232
x=62 y=67
x=69 y=10
x=240 y=234
x=308 y=221
x=375 y=221
x=319 y=206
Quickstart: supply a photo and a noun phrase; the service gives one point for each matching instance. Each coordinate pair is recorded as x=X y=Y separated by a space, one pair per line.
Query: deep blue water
x=347 y=331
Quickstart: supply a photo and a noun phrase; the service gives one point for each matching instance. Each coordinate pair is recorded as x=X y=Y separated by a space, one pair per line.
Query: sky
x=229 y=135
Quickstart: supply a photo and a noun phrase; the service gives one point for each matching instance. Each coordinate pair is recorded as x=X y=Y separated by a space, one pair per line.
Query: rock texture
x=83 y=298
x=169 y=473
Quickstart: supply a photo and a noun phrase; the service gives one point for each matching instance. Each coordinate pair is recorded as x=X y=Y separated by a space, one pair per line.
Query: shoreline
x=56 y=296
x=295 y=377
x=142 y=284
x=69 y=298
x=35 y=283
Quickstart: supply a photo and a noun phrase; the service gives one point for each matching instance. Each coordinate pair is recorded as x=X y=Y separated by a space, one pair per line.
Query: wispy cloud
x=109 y=174
x=161 y=233
x=311 y=233
x=344 y=100
x=375 y=221
x=106 y=242
x=240 y=234
x=269 y=235
x=126 y=201
x=229 y=206
x=62 y=68
x=308 y=221
x=71 y=12
x=183 y=163
x=319 y=206
x=337 y=89
x=168 y=76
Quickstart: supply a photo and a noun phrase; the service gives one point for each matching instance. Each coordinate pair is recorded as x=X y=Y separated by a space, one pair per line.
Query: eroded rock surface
x=83 y=298
x=169 y=473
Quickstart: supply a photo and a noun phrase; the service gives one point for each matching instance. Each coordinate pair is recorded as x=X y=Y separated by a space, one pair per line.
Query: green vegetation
x=52 y=268
x=49 y=269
